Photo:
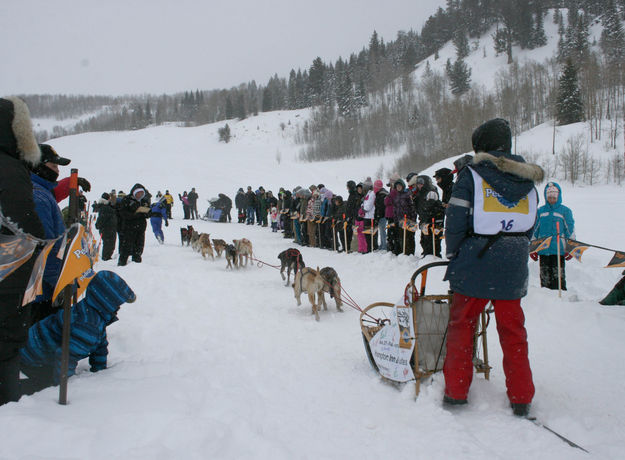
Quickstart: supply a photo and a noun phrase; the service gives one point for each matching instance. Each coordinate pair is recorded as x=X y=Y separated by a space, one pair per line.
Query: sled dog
x=219 y=246
x=292 y=260
x=332 y=286
x=310 y=281
x=244 y=249
x=185 y=235
x=231 y=256
x=204 y=243
x=195 y=241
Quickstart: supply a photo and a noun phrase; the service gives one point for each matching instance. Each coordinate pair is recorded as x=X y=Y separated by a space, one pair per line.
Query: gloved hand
x=567 y=256
x=534 y=256
x=84 y=184
x=166 y=223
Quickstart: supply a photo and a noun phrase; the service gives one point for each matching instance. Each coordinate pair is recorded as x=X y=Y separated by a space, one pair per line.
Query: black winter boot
x=449 y=401
x=520 y=409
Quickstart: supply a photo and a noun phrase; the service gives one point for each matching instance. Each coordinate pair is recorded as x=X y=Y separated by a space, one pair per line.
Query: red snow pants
x=458 y=368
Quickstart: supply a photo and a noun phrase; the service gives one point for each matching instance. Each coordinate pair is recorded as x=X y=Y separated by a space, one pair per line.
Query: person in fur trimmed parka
x=18 y=147
x=489 y=221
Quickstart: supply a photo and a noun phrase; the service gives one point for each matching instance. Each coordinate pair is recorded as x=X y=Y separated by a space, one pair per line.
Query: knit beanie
x=377 y=186
x=495 y=134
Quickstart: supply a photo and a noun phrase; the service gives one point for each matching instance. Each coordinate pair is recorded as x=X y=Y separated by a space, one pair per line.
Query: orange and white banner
x=78 y=263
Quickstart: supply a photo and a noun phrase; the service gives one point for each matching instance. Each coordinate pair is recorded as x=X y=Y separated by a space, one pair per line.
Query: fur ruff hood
x=508 y=165
x=16 y=131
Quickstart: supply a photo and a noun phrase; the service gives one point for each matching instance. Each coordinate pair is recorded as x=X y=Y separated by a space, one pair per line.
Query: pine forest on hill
x=400 y=95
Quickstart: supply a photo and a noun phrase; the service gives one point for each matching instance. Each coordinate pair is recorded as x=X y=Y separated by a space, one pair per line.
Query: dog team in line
x=240 y=252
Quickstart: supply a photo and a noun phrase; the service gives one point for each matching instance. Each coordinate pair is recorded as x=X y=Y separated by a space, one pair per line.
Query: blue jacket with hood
x=501 y=272
x=548 y=216
x=52 y=220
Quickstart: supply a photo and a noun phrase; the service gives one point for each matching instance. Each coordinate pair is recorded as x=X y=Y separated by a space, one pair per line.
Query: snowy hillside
x=484 y=61
x=210 y=363
x=261 y=152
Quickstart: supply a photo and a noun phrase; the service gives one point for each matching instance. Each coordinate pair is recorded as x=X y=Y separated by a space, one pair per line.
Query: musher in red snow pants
x=489 y=222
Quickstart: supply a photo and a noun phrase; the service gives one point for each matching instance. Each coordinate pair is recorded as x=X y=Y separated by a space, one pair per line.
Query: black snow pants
x=109 y=237
x=549 y=272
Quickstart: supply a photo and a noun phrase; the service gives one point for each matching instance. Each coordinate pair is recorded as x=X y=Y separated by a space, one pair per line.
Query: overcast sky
x=156 y=46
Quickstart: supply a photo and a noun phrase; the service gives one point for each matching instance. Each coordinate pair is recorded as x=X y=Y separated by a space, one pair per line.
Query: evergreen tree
x=292 y=91
x=612 y=37
x=569 y=105
x=315 y=81
x=239 y=107
x=538 y=33
x=580 y=47
x=409 y=58
x=345 y=97
x=461 y=43
x=229 y=108
x=459 y=75
x=267 y=104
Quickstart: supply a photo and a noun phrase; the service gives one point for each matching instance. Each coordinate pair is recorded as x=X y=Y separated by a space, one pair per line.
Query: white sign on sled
x=392 y=346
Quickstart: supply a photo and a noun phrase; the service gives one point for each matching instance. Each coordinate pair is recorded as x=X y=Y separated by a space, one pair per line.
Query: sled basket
x=430 y=315
x=214 y=214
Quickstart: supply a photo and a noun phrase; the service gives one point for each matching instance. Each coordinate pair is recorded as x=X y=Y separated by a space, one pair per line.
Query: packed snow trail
x=220 y=363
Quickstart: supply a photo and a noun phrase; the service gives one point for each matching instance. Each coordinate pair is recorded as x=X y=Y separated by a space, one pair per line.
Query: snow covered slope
x=210 y=363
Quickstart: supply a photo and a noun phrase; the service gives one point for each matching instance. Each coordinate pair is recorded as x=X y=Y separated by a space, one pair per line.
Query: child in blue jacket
x=41 y=357
x=552 y=213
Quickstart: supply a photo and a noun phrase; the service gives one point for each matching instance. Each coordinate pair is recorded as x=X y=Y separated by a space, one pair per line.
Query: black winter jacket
x=131 y=219
x=107 y=218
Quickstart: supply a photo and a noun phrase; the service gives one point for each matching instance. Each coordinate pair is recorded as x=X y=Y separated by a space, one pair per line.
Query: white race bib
x=492 y=213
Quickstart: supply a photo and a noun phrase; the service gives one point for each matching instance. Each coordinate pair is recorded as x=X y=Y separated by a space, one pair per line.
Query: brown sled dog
x=332 y=286
x=310 y=281
x=204 y=244
x=292 y=260
x=244 y=249
x=219 y=246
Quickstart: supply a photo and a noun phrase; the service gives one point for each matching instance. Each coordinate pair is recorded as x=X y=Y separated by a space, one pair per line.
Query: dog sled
x=214 y=213
x=406 y=341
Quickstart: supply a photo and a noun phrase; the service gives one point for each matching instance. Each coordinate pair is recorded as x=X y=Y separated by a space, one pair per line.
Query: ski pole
x=371 y=235
x=559 y=265
x=404 y=234
x=333 y=235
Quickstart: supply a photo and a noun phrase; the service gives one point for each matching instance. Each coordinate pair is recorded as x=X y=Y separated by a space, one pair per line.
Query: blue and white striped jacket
x=90 y=317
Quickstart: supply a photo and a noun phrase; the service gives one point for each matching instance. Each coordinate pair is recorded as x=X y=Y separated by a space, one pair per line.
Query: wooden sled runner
x=429 y=315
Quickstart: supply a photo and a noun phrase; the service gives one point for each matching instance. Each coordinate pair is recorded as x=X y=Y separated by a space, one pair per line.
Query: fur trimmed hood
x=16 y=131
x=509 y=165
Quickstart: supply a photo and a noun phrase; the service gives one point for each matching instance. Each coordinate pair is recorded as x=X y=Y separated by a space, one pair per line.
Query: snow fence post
x=68 y=294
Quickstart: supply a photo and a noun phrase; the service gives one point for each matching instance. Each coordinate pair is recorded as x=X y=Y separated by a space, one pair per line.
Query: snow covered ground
x=212 y=363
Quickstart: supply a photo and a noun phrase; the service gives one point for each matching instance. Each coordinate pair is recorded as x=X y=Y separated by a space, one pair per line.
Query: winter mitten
x=84 y=184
